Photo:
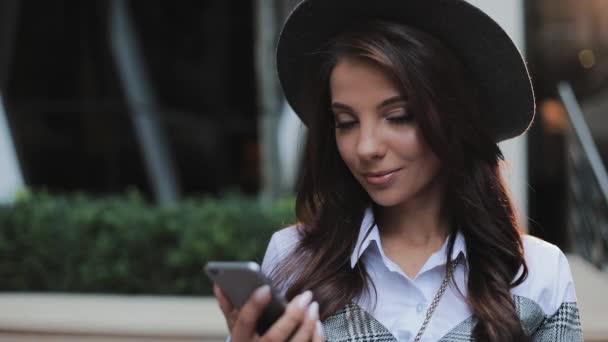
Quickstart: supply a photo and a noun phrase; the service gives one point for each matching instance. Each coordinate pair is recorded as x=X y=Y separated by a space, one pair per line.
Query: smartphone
x=238 y=280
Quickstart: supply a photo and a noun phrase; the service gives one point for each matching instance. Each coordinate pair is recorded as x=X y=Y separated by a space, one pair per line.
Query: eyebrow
x=389 y=101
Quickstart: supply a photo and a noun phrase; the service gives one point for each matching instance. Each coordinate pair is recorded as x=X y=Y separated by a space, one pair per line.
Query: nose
x=370 y=144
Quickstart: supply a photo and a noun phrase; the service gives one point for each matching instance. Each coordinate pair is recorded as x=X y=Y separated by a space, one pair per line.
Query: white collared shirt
x=402 y=301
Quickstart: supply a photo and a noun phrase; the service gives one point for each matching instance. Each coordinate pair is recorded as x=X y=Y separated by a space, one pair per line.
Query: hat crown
x=484 y=48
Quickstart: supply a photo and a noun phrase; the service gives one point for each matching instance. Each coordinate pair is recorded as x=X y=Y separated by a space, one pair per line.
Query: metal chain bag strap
x=438 y=295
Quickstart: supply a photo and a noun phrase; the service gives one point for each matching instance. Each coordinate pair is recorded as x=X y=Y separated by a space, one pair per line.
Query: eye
x=344 y=121
x=399 y=116
x=344 y=125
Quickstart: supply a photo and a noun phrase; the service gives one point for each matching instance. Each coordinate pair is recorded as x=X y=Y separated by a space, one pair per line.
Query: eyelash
x=345 y=125
x=401 y=118
x=397 y=120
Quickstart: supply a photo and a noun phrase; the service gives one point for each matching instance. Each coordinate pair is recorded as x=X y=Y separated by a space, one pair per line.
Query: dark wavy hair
x=331 y=203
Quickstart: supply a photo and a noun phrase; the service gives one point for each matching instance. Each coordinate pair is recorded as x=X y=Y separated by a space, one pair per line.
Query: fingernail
x=319 y=330
x=261 y=293
x=304 y=299
x=313 y=311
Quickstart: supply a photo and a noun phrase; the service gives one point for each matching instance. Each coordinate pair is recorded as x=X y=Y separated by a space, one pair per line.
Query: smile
x=380 y=178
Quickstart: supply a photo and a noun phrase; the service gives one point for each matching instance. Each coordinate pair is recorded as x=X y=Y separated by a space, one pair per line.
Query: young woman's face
x=377 y=137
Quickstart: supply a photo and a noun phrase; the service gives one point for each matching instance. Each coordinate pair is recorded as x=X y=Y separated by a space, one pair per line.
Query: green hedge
x=80 y=243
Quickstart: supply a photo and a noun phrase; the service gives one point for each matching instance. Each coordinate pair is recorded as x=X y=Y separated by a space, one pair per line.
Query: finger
x=307 y=329
x=290 y=320
x=319 y=333
x=244 y=327
x=224 y=303
x=234 y=314
x=229 y=311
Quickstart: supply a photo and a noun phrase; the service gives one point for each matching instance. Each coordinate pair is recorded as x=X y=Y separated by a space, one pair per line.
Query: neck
x=417 y=223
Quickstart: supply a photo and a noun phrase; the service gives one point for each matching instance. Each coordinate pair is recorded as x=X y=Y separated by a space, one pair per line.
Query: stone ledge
x=77 y=317
x=112 y=315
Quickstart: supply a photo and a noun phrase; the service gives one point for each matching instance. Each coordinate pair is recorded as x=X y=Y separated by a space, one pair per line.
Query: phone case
x=238 y=280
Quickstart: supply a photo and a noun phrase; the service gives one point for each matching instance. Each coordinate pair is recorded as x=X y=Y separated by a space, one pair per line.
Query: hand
x=300 y=322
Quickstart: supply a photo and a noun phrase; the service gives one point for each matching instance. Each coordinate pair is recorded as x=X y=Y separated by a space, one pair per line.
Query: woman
x=406 y=230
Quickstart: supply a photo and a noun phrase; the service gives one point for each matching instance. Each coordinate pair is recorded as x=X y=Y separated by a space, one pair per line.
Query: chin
x=386 y=199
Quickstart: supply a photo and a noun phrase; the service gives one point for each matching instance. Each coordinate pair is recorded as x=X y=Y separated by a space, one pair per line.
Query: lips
x=380 y=178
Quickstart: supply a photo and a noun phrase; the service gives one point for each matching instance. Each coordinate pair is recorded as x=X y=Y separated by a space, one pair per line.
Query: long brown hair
x=331 y=203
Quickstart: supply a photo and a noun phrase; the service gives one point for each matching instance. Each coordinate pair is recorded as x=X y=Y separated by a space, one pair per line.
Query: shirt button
x=420 y=307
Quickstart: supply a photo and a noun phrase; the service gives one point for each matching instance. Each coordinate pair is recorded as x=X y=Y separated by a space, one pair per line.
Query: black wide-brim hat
x=486 y=51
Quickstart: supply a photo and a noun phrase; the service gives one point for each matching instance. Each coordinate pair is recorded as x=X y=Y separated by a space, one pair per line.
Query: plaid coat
x=353 y=324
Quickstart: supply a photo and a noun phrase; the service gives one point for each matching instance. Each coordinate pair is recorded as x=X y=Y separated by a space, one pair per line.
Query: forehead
x=353 y=77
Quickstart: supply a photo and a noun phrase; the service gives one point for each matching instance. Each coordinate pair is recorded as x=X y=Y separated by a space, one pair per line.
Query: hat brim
x=484 y=48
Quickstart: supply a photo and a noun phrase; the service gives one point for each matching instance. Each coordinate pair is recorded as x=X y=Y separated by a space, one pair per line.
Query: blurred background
x=140 y=139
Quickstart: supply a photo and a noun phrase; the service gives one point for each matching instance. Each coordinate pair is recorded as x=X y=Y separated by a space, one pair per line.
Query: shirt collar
x=368 y=232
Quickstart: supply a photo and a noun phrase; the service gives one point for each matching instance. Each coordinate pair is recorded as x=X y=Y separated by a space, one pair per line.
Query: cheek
x=433 y=164
x=429 y=162
x=408 y=144
x=412 y=146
